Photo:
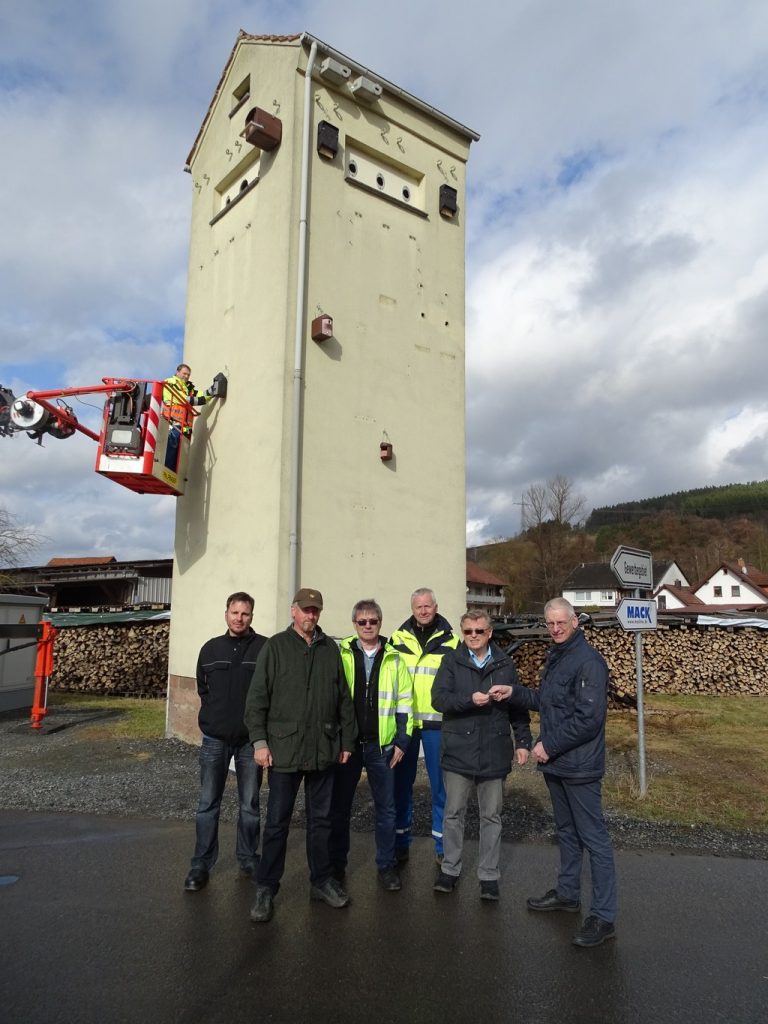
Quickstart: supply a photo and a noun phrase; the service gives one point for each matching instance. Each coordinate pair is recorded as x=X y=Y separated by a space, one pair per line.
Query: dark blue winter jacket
x=572 y=702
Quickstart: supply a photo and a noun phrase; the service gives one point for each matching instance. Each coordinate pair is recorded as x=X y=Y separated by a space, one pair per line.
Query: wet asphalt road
x=97 y=928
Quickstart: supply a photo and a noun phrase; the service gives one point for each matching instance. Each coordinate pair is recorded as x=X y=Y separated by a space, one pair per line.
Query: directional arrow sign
x=633 y=568
x=635 y=614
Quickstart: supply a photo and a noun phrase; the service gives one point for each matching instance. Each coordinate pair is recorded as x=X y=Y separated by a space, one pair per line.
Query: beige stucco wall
x=393 y=280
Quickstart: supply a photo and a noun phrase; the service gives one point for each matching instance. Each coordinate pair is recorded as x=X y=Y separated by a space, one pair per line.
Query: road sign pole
x=640 y=714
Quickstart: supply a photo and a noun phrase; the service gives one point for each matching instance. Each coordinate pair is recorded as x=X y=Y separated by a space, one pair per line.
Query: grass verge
x=137 y=719
x=706 y=762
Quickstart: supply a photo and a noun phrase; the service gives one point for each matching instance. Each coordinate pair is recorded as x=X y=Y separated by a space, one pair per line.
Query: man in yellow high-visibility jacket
x=422 y=640
x=380 y=685
x=177 y=386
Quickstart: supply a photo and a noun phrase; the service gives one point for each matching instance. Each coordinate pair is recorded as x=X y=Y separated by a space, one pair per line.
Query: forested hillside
x=682 y=526
x=726 y=502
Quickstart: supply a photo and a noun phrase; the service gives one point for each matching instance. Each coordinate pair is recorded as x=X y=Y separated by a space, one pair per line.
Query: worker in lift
x=177 y=385
x=177 y=411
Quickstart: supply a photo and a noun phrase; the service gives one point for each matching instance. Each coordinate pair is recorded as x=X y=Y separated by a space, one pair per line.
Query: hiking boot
x=551 y=901
x=390 y=880
x=593 y=932
x=445 y=883
x=489 y=890
x=330 y=892
x=263 y=909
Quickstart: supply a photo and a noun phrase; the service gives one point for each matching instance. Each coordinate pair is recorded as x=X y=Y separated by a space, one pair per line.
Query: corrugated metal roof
x=64 y=620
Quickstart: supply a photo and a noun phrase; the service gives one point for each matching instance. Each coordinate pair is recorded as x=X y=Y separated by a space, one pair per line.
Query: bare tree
x=16 y=542
x=550 y=511
x=563 y=505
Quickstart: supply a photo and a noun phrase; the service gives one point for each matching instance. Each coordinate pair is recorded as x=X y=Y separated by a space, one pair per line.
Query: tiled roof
x=755 y=576
x=103 y=560
x=591 y=576
x=684 y=594
x=476 y=574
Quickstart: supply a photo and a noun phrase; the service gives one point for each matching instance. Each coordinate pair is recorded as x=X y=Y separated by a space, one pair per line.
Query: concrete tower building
x=326 y=280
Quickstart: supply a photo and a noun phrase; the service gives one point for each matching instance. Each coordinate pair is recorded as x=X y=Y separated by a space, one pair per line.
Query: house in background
x=96 y=583
x=734 y=585
x=593 y=584
x=484 y=590
x=670 y=598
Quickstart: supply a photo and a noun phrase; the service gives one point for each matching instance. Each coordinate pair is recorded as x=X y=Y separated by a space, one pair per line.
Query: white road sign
x=635 y=614
x=633 y=568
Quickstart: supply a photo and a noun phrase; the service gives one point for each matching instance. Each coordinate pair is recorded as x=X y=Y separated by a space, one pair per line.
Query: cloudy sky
x=617 y=232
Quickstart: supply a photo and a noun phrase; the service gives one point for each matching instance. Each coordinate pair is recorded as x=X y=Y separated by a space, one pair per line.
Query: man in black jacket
x=572 y=703
x=224 y=671
x=476 y=748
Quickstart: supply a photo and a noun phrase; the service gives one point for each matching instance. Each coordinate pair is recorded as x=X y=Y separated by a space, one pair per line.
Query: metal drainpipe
x=298 y=355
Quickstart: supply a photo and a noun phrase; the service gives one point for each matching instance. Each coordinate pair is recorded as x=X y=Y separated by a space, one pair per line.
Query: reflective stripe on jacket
x=395 y=693
x=423 y=664
x=176 y=410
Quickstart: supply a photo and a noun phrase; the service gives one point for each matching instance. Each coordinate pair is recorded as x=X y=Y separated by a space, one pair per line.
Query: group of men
x=310 y=710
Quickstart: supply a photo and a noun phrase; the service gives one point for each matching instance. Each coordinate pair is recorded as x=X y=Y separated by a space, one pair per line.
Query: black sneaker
x=390 y=879
x=594 y=932
x=263 y=909
x=196 y=880
x=445 y=883
x=330 y=892
x=551 y=901
x=489 y=890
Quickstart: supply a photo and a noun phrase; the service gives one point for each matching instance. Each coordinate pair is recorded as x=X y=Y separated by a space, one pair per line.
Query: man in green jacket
x=301 y=722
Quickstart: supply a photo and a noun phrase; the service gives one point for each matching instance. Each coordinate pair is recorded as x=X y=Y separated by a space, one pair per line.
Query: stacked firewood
x=126 y=659
x=683 y=660
x=132 y=660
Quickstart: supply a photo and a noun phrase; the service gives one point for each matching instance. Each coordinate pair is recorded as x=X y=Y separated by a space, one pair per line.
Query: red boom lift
x=145 y=432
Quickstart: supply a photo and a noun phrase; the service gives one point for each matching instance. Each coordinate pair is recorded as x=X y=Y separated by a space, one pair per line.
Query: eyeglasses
x=366 y=622
x=474 y=632
x=557 y=625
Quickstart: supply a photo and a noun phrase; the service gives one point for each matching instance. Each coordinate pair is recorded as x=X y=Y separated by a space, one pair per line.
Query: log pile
x=125 y=660
x=132 y=660
x=684 y=660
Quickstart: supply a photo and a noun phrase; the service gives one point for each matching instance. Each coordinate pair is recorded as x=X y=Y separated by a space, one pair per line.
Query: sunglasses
x=474 y=632
x=366 y=622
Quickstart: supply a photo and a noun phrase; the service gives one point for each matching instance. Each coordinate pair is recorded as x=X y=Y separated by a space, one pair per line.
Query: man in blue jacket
x=224 y=670
x=572 y=702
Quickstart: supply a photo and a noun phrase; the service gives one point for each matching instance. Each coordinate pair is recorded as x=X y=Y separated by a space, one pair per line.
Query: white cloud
x=617 y=263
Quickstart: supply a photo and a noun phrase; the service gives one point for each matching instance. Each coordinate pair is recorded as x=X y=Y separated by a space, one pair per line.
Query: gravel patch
x=69 y=767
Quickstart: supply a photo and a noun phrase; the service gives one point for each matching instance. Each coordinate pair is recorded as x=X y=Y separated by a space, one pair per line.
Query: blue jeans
x=283 y=788
x=405 y=776
x=578 y=811
x=381 y=779
x=215 y=756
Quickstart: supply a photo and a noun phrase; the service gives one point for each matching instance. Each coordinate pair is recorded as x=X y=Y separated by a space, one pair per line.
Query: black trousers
x=318 y=792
